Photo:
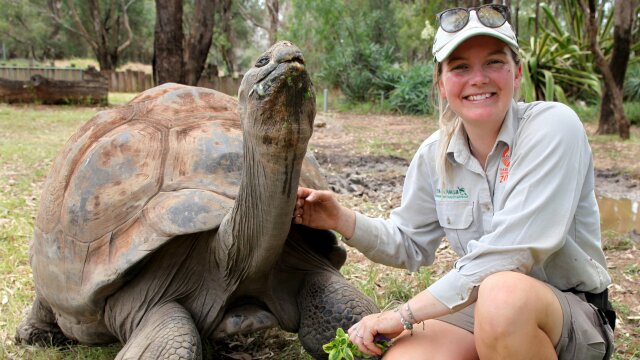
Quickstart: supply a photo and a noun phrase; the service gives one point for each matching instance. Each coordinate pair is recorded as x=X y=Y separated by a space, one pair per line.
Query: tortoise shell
x=132 y=178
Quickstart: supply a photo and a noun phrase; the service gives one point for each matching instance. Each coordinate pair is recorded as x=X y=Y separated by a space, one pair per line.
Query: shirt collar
x=458 y=149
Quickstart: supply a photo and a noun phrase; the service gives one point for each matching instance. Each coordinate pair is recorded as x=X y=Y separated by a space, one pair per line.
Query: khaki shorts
x=585 y=336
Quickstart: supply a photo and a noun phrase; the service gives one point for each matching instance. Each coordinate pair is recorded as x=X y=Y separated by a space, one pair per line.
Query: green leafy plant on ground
x=342 y=348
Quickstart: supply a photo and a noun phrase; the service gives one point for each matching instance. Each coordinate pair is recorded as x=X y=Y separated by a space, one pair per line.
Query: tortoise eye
x=262 y=61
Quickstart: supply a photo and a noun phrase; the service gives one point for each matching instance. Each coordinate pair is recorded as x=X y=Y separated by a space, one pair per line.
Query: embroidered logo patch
x=504 y=167
x=457 y=193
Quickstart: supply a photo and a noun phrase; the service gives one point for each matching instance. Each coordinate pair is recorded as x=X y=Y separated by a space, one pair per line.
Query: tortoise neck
x=260 y=220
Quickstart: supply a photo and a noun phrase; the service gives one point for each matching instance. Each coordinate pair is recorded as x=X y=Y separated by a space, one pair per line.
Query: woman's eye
x=262 y=61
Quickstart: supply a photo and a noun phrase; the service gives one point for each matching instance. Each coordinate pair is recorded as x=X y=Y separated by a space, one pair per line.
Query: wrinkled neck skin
x=252 y=235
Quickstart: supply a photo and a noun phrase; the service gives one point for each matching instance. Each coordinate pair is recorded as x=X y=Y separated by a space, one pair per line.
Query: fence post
x=325 y=95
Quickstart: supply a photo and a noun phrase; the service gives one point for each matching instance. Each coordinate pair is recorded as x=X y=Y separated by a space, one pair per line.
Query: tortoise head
x=277 y=99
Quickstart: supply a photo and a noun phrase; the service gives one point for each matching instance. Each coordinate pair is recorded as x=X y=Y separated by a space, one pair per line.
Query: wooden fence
x=45 y=88
x=25 y=73
x=128 y=81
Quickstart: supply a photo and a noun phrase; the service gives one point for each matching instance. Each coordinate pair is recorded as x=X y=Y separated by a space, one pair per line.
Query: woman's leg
x=516 y=317
x=439 y=340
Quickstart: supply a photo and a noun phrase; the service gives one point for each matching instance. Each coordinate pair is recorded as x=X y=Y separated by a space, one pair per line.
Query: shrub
x=412 y=91
x=632 y=83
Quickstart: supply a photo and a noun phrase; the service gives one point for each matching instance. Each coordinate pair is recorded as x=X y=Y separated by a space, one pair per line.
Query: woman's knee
x=502 y=302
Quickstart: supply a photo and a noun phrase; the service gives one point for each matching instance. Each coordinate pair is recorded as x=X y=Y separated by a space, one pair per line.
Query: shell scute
x=115 y=179
x=204 y=156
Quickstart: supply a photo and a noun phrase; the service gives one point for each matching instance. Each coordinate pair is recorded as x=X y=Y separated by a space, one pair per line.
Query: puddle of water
x=619 y=215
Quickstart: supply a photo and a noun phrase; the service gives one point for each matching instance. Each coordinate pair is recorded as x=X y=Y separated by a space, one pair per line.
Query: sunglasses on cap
x=490 y=15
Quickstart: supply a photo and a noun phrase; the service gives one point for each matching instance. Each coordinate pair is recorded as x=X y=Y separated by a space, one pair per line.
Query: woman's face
x=479 y=79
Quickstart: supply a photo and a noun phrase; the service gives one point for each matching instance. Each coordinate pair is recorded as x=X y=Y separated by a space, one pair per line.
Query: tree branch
x=245 y=14
x=74 y=14
x=126 y=26
x=129 y=4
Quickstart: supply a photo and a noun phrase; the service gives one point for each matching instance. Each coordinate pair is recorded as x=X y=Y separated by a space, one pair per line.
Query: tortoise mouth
x=291 y=72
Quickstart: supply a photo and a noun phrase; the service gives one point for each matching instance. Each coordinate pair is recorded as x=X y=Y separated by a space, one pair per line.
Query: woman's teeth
x=478 y=97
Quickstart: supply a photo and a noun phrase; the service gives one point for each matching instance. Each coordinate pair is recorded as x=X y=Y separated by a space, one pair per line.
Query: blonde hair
x=449 y=122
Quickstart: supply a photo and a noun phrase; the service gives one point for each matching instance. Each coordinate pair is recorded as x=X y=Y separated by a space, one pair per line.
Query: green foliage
x=412 y=89
x=342 y=348
x=346 y=42
x=632 y=112
x=632 y=82
x=30 y=31
x=27 y=31
x=557 y=62
x=356 y=72
x=413 y=14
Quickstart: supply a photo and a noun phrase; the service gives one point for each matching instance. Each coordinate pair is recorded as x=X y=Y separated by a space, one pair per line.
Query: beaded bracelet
x=407 y=325
x=411 y=317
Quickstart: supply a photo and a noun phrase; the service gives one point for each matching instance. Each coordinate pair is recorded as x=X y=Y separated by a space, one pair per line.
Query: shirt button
x=487 y=207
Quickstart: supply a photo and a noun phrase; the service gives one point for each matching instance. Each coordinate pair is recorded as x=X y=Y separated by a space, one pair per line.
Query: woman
x=511 y=186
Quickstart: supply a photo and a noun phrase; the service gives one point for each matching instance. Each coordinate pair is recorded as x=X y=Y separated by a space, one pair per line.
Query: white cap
x=444 y=42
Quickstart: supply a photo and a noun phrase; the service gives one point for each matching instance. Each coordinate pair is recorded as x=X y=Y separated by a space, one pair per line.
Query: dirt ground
x=365 y=157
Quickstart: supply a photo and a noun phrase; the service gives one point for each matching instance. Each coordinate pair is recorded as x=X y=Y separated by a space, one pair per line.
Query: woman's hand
x=320 y=209
x=363 y=333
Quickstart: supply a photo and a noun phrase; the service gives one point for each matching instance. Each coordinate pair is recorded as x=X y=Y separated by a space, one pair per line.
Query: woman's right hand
x=320 y=209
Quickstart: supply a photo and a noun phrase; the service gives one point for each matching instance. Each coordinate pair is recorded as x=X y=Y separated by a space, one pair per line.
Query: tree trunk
x=610 y=85
x=623 y=24
x=167 y=43
x=225 y=27
x=103 y=34
x=199 y=40
x=105 y=60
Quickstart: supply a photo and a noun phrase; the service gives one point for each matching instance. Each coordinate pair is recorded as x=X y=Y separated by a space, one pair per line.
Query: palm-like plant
x=557 y=62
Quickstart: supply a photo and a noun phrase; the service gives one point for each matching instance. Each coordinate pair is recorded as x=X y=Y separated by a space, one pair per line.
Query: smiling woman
x=511 y=186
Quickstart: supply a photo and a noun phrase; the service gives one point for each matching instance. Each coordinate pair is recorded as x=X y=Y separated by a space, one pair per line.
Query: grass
x=31 y=136
x=116 y=99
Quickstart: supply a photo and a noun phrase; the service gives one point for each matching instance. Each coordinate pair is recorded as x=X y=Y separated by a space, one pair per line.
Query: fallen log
x=38 y=89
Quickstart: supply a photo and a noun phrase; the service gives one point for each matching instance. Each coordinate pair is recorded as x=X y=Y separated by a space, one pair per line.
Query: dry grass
x=30 y=136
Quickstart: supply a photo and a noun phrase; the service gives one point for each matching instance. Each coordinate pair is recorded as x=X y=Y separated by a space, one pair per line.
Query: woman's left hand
x=363 y=333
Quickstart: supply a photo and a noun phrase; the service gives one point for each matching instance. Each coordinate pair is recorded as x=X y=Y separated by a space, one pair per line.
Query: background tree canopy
x=364 y=48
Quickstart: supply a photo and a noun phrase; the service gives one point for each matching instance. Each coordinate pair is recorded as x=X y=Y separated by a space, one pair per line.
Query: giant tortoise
x=168 y=220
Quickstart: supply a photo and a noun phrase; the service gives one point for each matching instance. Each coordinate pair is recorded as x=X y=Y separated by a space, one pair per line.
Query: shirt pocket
x=456 y=218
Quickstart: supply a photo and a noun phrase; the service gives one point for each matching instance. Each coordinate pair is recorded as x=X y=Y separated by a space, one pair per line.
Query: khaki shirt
x=533 y=210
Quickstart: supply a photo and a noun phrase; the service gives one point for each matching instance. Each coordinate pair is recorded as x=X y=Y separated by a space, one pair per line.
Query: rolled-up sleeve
x=549 y=162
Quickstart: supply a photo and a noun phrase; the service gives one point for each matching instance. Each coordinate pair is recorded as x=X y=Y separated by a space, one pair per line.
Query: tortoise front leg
x=40 y=327
x=328 y=301
x=167 y=331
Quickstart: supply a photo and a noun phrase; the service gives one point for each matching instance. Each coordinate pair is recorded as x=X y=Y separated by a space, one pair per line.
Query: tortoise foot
x=40 y=328
x=328 y=302
x=37 y=333
x=244 y=319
